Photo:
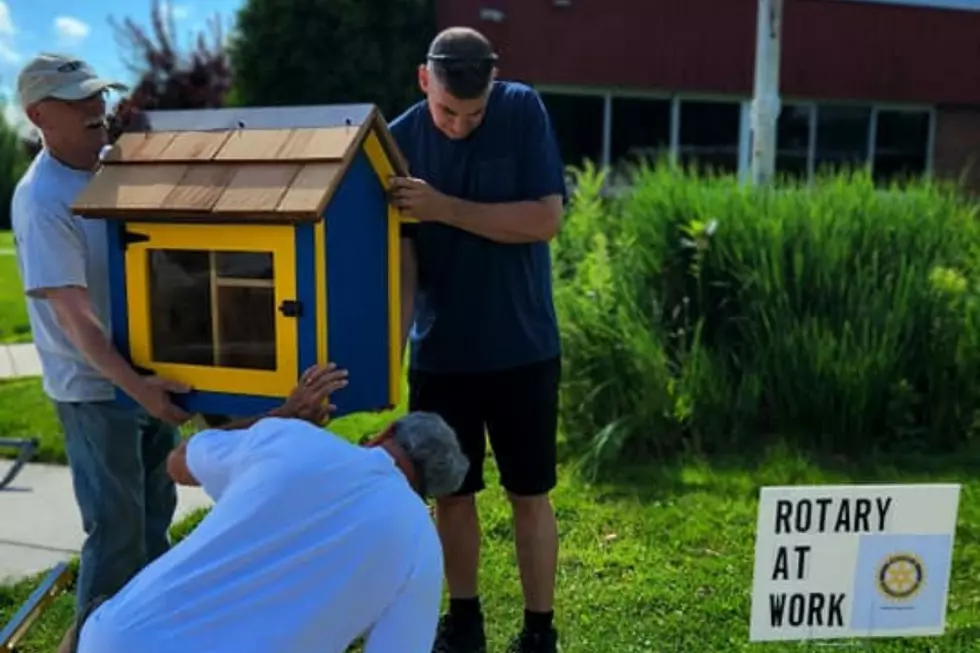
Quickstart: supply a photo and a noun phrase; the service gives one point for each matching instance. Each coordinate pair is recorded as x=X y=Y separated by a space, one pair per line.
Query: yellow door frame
x=277 y=240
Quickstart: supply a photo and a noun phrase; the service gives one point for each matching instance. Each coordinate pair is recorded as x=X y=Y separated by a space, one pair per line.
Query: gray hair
x=431 y=444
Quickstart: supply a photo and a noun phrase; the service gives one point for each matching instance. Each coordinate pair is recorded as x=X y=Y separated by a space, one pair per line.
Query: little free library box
x=246 y=245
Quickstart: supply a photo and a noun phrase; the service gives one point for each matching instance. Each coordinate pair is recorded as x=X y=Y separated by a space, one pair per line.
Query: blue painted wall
x=357 y=288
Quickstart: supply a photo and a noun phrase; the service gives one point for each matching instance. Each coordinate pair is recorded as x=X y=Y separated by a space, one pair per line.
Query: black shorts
x=517 y=408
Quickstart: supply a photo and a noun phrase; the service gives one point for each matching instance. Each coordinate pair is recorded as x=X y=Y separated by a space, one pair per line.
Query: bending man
x=313 y=542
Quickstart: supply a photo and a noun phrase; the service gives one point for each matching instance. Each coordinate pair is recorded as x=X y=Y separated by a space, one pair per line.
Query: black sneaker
x=455 y=636
x=535 y=642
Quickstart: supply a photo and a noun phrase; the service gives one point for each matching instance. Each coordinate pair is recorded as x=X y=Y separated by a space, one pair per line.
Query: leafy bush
x=13 y=162
x=170 y=76
x=701 y=314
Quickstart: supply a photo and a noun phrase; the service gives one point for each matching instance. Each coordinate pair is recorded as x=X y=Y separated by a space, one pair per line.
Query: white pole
x=766 y=103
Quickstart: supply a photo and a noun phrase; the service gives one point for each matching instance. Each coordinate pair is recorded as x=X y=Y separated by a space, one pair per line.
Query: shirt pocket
x=497 y=179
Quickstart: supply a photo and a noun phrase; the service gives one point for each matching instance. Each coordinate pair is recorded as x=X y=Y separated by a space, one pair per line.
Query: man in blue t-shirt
x=487 y=187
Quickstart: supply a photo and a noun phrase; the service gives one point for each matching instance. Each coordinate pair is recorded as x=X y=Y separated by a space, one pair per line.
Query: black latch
x=291 y=308
x=129 y=237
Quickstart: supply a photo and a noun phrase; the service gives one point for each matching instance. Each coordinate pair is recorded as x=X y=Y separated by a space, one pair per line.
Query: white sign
x=852 y=561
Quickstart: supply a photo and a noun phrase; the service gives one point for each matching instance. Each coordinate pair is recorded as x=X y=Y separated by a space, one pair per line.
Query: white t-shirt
x=310 y=539
x=56 y=248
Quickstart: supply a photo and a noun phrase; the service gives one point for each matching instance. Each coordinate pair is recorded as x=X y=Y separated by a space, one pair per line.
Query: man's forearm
x=88 y=336
x=511 y=222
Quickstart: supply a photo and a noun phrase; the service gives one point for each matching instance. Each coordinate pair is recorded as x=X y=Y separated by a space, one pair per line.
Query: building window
x=793 y=142
x=843 y=134
x=709 y=135
x=577 y=121
x=901 y=145
x=640 y=130
x=811 y=137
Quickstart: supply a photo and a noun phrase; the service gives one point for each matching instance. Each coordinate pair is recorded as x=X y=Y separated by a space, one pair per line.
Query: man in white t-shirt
x=116 y=454
x=313 y=542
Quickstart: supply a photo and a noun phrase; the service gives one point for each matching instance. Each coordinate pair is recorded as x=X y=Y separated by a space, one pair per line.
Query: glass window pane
x=842 y=136
x=245 y=265
x=709 y=135
x=577 y=122
x=180 y=306
x=640 y=129
x=793 y=142
x=212 y=308
x=901 y=145
x=247 y=343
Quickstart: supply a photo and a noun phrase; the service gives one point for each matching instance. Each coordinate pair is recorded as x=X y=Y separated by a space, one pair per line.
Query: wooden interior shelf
x=243 y=283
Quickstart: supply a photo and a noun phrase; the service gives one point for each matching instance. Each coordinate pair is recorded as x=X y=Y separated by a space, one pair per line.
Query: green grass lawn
x=25 y=412
x=660 y=560
x=13 y=310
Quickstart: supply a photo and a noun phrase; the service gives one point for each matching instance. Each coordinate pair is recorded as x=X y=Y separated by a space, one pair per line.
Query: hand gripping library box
x=246 y=245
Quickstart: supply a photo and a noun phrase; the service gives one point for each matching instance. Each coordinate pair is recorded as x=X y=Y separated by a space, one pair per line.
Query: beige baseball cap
x=59 y=76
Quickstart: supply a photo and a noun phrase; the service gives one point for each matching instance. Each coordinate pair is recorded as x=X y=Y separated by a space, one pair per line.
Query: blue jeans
x=118 y=462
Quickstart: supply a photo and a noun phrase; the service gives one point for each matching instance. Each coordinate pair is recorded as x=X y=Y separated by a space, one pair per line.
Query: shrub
x=13 y=162
x=701 y=314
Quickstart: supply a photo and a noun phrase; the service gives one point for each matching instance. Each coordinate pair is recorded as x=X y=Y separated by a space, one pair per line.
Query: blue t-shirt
x=482 y=305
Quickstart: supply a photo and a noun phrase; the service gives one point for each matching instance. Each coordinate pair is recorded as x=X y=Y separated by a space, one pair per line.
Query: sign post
x=853 y=561
x=766 y=103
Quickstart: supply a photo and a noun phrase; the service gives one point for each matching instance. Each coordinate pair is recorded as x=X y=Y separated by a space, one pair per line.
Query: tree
x=200 y=79
x=13 y=162
x=166 y=78
x=330 y=51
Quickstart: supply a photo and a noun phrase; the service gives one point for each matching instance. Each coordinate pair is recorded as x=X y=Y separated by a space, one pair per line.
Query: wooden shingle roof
x=254 y=165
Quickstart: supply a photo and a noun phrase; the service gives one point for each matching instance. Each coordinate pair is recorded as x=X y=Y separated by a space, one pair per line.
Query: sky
x=81 y=28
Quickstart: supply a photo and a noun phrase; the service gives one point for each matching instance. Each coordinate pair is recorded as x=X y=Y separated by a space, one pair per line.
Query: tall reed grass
x=701 y=314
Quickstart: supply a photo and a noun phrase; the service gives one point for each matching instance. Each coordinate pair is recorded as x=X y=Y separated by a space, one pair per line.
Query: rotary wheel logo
x=901 y=576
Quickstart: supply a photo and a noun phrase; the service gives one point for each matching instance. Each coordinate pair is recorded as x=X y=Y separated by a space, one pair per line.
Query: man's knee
x=530 y=505
x=116 y=552
x=113 y=512
x=115 y=547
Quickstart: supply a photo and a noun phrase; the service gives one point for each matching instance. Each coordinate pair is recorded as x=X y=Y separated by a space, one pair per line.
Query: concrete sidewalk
x=19 y=361
x=40 y=524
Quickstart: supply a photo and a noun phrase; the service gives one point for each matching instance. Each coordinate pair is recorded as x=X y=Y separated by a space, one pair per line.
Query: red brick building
x=892 y=83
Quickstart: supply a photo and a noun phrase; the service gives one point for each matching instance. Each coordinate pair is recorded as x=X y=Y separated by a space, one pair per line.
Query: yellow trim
x=394 y=308
x=320 y=259
x=379 y=160
x=279 y=240
x=382 y=167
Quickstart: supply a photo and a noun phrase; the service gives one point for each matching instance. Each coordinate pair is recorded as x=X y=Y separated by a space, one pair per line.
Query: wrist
x=136 y=387
x=453 y=208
